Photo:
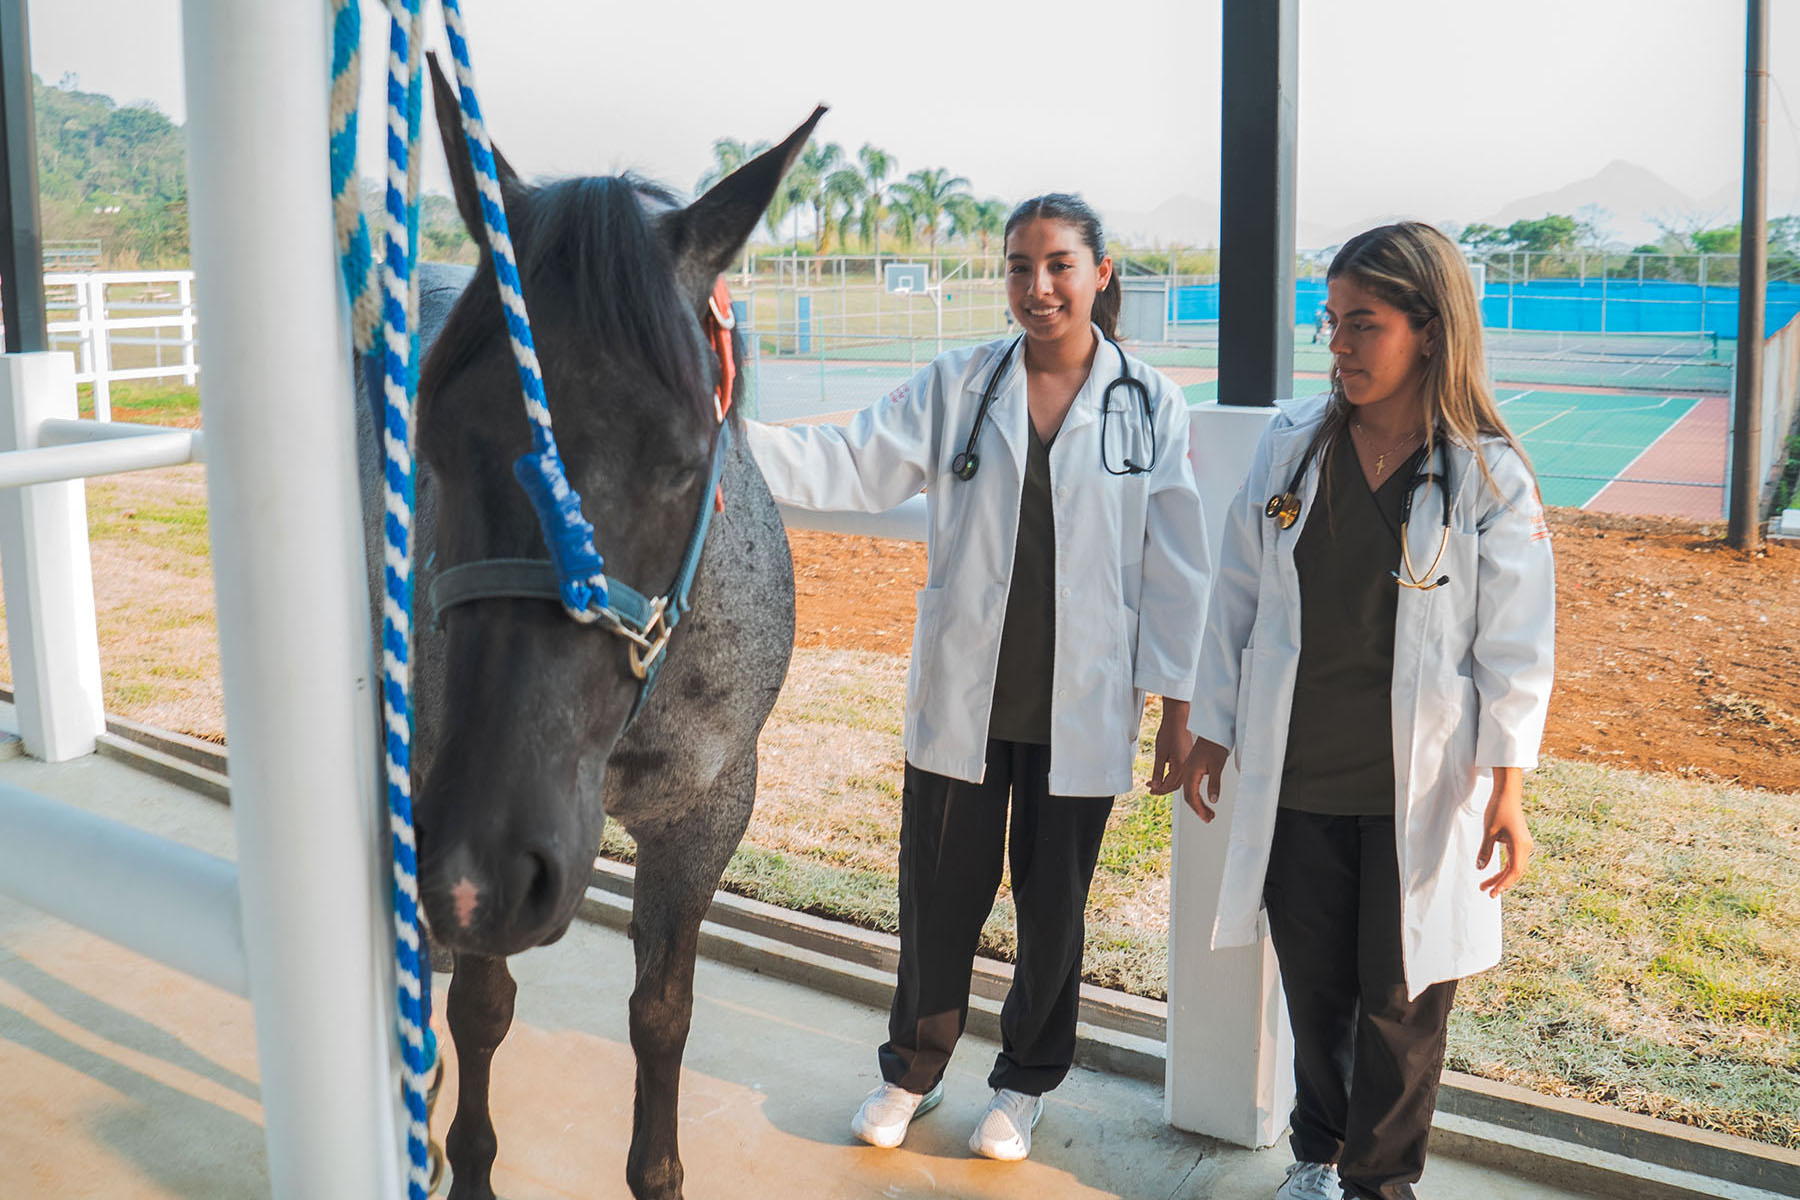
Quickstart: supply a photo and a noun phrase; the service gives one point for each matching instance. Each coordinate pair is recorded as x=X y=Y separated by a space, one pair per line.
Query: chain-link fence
x=1616 y=370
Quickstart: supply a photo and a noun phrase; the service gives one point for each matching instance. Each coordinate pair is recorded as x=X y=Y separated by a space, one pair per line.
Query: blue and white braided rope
x=355 y=256
x=399 y=352
x=570 y=538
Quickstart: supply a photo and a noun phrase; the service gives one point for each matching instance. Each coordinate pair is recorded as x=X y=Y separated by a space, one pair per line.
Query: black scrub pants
x=953 y=843
x=1366 y=1059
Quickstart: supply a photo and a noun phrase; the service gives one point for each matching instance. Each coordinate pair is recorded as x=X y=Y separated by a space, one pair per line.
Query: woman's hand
x=1505 y=827
x=1203 y=764
x=1171 y=746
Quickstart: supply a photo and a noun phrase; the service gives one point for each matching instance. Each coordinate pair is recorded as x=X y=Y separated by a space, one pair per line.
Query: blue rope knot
x=580 y=571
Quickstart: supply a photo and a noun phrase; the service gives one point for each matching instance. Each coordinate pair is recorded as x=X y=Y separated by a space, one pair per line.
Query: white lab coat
x=1472 y=674
x=1132 y=564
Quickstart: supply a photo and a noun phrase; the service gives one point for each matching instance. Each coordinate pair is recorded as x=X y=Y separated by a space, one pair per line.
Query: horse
x=528 y=731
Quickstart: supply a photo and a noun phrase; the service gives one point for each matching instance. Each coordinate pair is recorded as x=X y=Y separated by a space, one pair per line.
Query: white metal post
x=184 y=290
x=292 y=597
x=1230 y=1056
x=96 y=285
x=49 y=577
x=85 y=320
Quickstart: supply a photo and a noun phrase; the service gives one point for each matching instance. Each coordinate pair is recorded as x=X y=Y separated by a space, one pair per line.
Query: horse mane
x=587 y=252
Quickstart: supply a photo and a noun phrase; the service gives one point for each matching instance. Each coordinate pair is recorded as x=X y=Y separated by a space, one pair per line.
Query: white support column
x=1230 y=1056
x=49 y=578
x=96 y=285
x=292 y=598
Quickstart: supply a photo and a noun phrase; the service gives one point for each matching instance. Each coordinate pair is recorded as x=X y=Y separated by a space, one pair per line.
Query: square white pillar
x=1230 y=1055
x=49 y=577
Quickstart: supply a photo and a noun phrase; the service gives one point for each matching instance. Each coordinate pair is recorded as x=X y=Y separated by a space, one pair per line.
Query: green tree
x=1723 y=240
x=728 y=155
x=926 y=193
x=1483 y=239
x=983 y=220
x=876 y=165
x=843 y=197
x=811 y=176
x=111 y=173
x=1548 y=232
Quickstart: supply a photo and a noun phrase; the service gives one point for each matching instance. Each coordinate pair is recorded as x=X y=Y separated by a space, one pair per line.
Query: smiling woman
x=1060 y=590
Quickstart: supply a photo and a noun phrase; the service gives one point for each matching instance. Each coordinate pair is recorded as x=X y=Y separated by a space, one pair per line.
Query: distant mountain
x=1178 y=221
x=1630 y=196
x=1626 y=199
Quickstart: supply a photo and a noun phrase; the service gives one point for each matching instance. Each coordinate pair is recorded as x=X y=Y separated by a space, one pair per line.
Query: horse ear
x=707 y=235
x=444 y=99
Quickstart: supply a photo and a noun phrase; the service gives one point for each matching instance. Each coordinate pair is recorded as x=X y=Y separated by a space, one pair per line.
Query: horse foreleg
x=480 y=1012
x=661 y=1005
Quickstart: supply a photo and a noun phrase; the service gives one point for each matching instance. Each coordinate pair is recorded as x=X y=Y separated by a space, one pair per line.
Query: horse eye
x=676 y=477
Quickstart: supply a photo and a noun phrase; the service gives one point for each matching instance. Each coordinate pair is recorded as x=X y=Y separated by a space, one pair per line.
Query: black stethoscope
x=967 y=462
x=1284 y=509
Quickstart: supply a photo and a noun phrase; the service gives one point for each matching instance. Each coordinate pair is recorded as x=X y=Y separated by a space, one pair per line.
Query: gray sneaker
x=889 y=1109
x=1005 y=1129
x=1310 y=1181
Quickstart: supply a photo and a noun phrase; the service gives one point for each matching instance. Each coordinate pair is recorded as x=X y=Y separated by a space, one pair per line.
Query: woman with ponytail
x=1065 y=547
x=1377 y=661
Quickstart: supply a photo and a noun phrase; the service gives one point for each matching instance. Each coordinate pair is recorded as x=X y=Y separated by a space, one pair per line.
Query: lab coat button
x=1065 y=593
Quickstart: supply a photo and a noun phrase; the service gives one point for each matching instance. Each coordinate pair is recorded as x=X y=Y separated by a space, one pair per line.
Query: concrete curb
x=1556 y=1141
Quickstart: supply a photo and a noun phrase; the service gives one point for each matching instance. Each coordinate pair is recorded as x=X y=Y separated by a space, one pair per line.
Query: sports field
x=1627 y=448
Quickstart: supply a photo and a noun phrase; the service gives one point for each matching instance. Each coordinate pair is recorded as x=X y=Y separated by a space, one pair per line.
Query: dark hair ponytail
x=1073 y=210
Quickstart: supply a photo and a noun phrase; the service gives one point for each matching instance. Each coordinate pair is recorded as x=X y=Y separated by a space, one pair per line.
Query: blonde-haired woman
x=1378 y=661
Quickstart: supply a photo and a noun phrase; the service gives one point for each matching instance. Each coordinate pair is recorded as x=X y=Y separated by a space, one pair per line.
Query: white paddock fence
x=123 y=325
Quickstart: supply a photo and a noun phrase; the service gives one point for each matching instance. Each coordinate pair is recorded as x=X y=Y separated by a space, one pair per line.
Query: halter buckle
x=647 y=647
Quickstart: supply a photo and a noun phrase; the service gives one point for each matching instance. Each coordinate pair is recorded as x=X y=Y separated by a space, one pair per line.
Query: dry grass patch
x=825 y=835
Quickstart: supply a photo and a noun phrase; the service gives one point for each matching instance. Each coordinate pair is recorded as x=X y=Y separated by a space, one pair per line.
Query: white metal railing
x=127 y=310
x=292 y=601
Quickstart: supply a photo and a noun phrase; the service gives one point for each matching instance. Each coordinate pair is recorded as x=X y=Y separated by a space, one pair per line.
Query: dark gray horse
x=523 y=742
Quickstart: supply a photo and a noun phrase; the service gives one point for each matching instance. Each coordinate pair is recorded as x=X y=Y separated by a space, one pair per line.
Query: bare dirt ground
x=1675 y=654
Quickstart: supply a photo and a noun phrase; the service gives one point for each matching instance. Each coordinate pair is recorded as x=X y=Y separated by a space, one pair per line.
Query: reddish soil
x=1674 y=654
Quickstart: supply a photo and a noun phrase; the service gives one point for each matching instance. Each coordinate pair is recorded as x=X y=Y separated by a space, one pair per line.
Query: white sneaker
x=1310 y=1181
x=890 y=1108
x=1005 y=1129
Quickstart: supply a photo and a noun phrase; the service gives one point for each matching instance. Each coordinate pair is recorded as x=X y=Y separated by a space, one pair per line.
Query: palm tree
x=900 y=212
x=926 y=193
x=728 y=155
x=990 y=222
x=810 y=176
x=843 y=192
x=876 y=165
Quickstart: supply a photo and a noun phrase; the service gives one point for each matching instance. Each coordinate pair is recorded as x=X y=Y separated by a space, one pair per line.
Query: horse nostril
x=534 y=885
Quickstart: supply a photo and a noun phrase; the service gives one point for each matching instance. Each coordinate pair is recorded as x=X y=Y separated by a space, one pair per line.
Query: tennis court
x=1635 y=428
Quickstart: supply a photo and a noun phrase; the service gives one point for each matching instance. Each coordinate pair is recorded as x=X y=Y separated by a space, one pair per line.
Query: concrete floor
x=121 y=1078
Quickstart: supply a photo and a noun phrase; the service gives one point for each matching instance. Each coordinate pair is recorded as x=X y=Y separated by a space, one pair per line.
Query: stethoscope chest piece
x=1283 y=509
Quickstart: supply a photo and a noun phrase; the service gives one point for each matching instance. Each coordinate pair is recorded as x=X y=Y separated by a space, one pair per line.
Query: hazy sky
x=1443 y=108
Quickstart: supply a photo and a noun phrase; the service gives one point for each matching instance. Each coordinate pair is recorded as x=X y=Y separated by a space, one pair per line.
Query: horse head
x=617 y=277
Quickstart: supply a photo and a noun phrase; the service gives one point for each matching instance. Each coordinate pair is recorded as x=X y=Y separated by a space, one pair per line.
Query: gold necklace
x=1381 y=456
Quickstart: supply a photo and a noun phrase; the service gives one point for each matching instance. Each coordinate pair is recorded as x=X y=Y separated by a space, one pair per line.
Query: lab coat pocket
x=1240 y=717
x=927 y=632
x=1459 y=752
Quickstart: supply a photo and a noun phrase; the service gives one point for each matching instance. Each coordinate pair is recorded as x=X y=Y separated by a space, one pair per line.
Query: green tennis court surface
x=1579 y=442
x=1624 y=444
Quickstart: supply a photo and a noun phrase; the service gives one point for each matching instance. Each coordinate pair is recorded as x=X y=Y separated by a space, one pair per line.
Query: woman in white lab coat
x=1065 y=548
x=1377 y=663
